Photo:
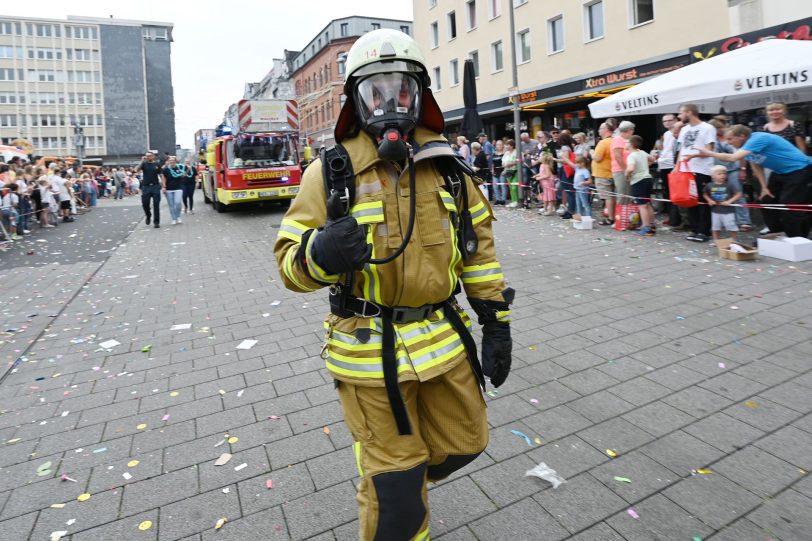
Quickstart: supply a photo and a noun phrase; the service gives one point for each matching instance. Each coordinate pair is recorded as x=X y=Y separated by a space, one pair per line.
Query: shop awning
x=747 y=78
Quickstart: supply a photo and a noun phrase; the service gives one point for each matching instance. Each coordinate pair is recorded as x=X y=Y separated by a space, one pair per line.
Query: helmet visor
x=385 y=93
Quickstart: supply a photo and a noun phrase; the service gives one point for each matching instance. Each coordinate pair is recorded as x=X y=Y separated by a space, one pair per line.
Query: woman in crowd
x=566 y=150
x=510 y=162
x=780 y=125
x=500 y=189
x=188 y=187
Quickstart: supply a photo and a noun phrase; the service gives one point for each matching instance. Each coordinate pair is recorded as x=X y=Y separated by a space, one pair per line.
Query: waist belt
x=346 y=305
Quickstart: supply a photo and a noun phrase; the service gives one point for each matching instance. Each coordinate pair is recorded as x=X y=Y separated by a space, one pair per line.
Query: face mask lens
x=386 y=93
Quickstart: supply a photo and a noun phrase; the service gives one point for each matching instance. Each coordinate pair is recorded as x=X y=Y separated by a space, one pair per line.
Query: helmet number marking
x=372 y=54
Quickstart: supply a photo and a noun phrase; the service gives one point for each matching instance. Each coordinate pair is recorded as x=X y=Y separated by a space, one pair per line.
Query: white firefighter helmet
x=387 y=51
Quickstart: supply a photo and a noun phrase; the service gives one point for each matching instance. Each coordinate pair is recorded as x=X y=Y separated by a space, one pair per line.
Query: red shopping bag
x=682 y=186
x=627 y=217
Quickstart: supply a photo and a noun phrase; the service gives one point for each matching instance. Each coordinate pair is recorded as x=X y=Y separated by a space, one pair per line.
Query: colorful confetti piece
x=146 y=525
x=83 y=497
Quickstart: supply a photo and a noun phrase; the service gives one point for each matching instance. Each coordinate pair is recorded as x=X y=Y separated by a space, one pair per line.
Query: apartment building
x=110 y=77
x=570 y=53
x=318 y=73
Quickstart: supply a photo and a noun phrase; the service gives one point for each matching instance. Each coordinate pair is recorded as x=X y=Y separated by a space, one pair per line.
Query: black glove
x=341 y=246
x=497 y=344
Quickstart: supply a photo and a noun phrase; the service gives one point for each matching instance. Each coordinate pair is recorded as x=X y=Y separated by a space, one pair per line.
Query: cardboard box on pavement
x=786 y=248
x=725 y=252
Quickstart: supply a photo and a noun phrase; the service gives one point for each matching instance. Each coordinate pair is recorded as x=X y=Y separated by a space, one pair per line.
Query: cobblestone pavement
x=652 y=349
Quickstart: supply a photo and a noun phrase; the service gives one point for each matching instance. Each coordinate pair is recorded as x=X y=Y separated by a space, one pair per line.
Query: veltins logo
x=737 y=85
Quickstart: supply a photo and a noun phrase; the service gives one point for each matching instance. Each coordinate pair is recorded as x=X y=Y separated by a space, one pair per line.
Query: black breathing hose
x=412 y=212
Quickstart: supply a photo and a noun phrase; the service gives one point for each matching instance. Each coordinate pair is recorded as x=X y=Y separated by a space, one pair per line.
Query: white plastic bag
x=543 y=471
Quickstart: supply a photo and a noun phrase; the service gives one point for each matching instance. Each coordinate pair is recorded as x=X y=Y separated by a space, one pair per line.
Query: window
x=438 y=82
x=435 y=35
x=474 y=56
x=494 y=8
x=83 y=77
x=523 y=46
x=470 y=12
x=452 y=25
x=8 y=28
x=345 y=29
x=376 y=26
x=555 y=33
x=640 y=12
x=9 y=74
x=404 y=29
x=11 y=97
x=593 y=20
x=454 y=72
x=7 y=51
x=342 y=63
x=8 y=120
x=497 y=63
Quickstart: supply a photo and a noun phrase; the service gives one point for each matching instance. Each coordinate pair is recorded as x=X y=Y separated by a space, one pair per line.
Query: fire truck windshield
x=248 y=151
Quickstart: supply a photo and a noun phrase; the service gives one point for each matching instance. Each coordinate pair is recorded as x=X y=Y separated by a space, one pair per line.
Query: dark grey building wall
x=125 y=109
x=160 y=96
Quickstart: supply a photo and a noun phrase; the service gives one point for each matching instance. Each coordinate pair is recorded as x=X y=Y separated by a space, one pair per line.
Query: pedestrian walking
x=415 y=410
x=151 y=188
x=188 y=187
x=172 y=178
x=120 y=180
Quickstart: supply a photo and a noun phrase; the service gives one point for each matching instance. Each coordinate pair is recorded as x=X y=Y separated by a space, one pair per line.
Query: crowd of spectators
x=46 y=195
x=564 y=173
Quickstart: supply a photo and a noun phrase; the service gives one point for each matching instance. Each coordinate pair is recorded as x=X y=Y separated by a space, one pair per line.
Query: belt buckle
x=409 y=315
x=363 y=312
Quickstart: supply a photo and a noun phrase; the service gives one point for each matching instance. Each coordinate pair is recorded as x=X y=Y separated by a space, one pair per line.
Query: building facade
x=318 y=73
x=109 y=79
x=569 y=54
x=277 y=82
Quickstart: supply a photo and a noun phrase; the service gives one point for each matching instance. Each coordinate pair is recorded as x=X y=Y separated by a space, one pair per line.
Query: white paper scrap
x=181 y=327
x=109 y=344
x=247 y=344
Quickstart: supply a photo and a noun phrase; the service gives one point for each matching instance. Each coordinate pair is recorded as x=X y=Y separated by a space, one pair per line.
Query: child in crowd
x=720 y=194
x=8 y=208
x=546 y=178
x=582 y=180
x=639 y=176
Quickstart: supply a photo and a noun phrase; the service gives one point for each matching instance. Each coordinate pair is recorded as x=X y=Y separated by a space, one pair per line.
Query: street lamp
x=515 y=91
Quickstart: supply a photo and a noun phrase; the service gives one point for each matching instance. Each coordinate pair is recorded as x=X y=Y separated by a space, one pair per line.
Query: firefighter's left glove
x=341 y=246
x=497 y=345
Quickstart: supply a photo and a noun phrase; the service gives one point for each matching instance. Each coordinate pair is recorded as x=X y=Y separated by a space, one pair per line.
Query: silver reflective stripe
x=378 y=211
x=352 y=341
x=382 y=230
x=483 y=272
x=431 y=355
x=292 y=230
x=444 y=224
x=369 y=187
x=480 y=212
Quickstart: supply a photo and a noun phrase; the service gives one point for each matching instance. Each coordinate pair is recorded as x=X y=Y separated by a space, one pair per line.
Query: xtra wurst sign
x=798 y=30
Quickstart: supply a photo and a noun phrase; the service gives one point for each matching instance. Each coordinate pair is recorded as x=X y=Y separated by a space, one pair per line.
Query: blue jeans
x=582 y=203
x=567 y=186
x=120 y=190
x=742 y=213
x=173 y=199
x=25 y=213
x=501 y=192
x=153 y=194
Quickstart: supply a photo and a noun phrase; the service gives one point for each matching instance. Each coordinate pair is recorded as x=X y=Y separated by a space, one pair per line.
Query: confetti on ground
x=240 y=392
x=165 y=417
x=326 y=429
x=633 y=514
x=703 y=471
x=14 y=440
x=174 y=393
x=247 y=344
x=56 y=536
x=534 y=401
x=233 y=439
x=241 y=466
x=493 y=393
x=180 y=327
x=147 y=348
x=696 y=538
x=611 y=453
x=83 y=497
x=219 y=443
x=276 y=303
x=734 y=307
x=680 y=318
x=99 y=450
x=523 y=435
x=44 y=469
x=70 y=522
x=223 y=460
x=750 y=404
x=127 y=475
x=622 y=479
x=722 y=365
x=222 y=392
x=109 y=344
x=274 y=417
x=133 y=463
x=269 y=483
x=537 y=440
x=142 y=426
x=219 y=523
x=57 y=505
x=226 y=490
x=146 y=525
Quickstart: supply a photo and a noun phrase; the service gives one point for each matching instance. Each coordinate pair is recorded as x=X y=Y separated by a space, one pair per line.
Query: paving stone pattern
x=650 y=348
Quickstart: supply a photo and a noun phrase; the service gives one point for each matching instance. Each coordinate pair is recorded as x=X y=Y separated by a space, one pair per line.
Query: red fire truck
x=258 y=162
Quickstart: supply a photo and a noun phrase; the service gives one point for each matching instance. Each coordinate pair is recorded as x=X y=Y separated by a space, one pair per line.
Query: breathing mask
x=388 y=106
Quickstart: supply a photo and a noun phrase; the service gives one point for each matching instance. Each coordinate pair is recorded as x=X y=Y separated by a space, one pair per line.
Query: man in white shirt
x=694 y=136
x=59 y=190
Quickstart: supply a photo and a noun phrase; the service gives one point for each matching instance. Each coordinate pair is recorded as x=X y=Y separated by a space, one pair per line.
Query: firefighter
x=393 y=229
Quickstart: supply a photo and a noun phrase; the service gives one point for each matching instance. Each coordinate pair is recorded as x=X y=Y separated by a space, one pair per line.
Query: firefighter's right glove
x=497 y=345
x=341 y=246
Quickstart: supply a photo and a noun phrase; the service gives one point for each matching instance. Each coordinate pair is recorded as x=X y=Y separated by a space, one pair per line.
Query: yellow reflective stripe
x=315 y=270
x=437 y=353
x=503 y=315
x=356 y=447
x=293 y=230
x=482 y=273
x=422 y=536
x=368 y=213
x=479 y=212
x=372 y=280
x=290 y=271
x=371 y=374
x=448 y=201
